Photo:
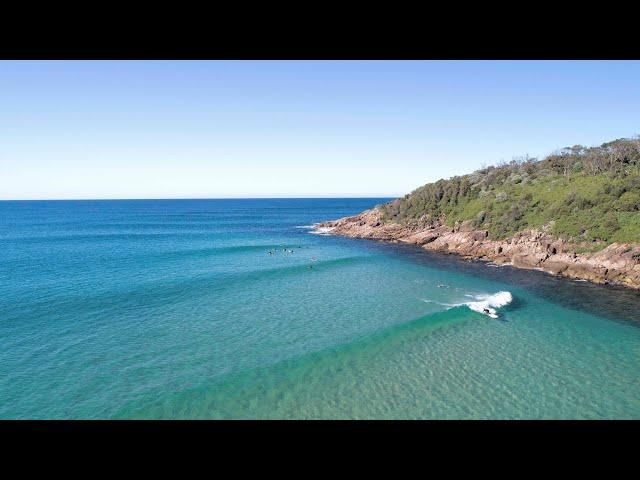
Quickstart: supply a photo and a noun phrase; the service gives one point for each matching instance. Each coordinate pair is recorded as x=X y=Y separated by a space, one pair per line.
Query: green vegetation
x=580 y=194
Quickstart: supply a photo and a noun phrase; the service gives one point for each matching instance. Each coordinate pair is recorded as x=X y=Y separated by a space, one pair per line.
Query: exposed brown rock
x=616 y=264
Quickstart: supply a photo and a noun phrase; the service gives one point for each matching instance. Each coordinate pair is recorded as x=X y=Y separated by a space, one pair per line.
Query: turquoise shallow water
x=175 y=309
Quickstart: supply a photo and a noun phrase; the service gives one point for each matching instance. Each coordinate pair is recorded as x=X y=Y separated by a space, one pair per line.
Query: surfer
x=486 y=311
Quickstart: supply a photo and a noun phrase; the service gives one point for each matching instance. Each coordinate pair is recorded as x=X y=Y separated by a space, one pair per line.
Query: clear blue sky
x=276 y=129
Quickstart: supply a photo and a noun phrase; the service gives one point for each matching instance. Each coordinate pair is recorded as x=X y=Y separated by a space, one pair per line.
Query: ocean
x=236 y=309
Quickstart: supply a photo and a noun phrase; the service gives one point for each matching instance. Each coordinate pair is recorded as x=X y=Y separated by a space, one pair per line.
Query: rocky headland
x=618 y=263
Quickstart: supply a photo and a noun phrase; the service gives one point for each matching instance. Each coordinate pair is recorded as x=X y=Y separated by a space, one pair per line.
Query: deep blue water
x=176 y=309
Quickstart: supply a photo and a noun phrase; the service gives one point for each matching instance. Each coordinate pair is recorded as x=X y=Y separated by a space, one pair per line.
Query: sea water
x=238 y=309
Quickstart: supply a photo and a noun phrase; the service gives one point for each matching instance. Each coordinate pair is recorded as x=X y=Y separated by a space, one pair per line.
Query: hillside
x=582 y=195
x=575 y=213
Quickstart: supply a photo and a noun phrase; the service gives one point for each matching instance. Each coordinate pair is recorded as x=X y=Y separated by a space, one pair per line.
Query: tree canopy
x=581 y=194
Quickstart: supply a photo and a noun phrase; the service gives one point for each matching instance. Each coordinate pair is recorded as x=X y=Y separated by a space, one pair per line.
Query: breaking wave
x=315 y=229
x=487 y=304
x=322 y=230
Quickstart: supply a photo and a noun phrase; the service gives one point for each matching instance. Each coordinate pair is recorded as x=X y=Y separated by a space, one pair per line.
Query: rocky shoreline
x=617 y=264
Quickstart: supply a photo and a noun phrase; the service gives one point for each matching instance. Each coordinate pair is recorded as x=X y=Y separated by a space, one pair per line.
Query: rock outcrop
x=534 y=249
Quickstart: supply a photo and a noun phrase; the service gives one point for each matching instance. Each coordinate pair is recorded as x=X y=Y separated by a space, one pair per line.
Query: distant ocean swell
x=154 y=294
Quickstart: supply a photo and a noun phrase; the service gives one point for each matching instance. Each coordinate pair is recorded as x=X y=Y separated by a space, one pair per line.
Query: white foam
x=490 y=303
x=448 y=305
x=322 y=230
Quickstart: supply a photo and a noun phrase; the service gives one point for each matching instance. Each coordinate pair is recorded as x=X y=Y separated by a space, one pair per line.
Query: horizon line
x=193 y=198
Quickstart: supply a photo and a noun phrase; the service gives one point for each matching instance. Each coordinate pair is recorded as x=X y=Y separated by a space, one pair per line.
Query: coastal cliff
x=617 y=264
x=575 y=213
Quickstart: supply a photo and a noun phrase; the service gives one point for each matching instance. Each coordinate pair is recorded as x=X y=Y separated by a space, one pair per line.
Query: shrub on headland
x=584 y=194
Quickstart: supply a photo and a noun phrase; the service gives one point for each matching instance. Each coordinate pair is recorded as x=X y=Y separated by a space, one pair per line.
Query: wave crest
x=487 y=304
x=322 y=230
